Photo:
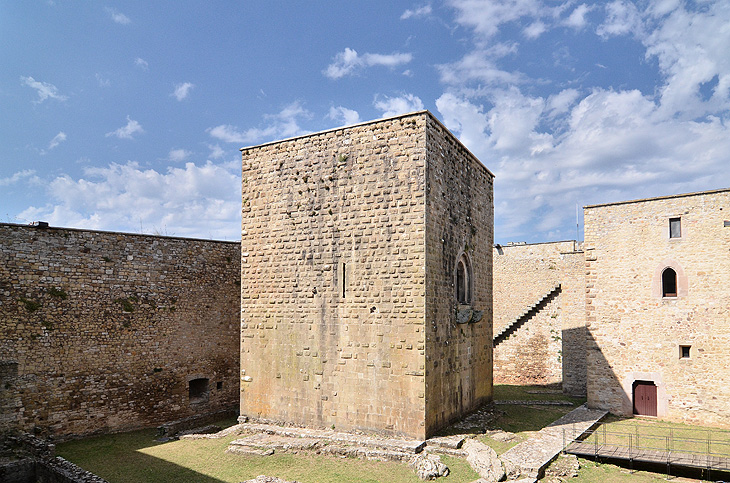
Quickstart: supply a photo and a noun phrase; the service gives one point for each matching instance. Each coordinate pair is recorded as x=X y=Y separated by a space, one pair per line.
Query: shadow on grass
x=522 y=419
x=120 y=458
x=135 y=458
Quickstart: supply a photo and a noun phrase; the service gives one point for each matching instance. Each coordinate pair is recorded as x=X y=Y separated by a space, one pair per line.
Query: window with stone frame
x=669 y=282
x=675 y=228
x=463 y=280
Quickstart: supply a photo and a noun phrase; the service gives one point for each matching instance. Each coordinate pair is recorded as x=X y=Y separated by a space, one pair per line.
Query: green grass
x=136 y=458
x=593 y=472
x=524 y=420
x=641 y=433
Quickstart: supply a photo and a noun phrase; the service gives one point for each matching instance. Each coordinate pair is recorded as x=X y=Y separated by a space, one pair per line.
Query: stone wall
x=637 y=333
x=105 y=330
x=334 y=276
x=459 y=222
x=549 y=347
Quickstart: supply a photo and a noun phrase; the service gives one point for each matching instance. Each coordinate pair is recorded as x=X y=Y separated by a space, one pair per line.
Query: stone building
x=103 y=332
x=539 y=315
x=366 y=278
x=658 y=307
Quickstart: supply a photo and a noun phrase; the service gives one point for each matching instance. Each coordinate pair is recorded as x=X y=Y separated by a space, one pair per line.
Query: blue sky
x=128 y=116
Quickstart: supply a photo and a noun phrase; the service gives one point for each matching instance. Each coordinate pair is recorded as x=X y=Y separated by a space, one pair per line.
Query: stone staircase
x=526 y=315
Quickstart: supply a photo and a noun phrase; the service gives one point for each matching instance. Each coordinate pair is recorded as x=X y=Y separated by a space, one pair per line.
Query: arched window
x=669 y=283
x=463 y=280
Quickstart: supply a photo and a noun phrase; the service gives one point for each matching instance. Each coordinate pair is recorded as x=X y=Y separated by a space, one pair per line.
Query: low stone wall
x=104 y=332
x=57 y=470
x=26 y=459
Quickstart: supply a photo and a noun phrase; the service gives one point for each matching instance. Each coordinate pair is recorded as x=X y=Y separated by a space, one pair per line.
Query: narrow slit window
x=669 y=283
x=344 y=271
x=684 y=351
x=675 y=228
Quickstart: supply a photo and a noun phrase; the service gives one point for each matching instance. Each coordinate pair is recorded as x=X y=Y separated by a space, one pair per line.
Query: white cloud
x=57 y=139
x=622 y=17
x=614 y=143
x=422 y=11
x=195 y=200
x=691 y=48
x=178 y=155
x=118 y=17
x=535 y=29
x=344 y=115
x=577 y=18
x=486 y=17
x=216 y=152
x=127 y=132
x=463 y=117
x=349 y=61
x=285 y=124
x=18 y=176
x=182 y=90
x=551 y=148
x=561 y=102
x=479 y=66
x=393 y=106
x=141 y=63
x=44 y=90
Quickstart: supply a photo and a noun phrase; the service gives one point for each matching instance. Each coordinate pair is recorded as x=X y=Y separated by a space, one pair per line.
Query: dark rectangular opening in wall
x=198 y=390
x=219 y=385
x=675 y=228
x=343 y=280
x=684 y=351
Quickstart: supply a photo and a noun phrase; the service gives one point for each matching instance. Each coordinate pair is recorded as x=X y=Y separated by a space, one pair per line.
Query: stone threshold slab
x=392 y=444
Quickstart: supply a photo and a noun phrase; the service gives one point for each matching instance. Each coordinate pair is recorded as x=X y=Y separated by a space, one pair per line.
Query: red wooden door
x=644 y=398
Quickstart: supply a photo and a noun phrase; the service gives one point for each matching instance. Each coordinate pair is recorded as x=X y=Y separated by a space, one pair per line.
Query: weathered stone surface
x=531 y=457
x=562 y=469
x=263 y=444
x=249 y=450
x=428 y=467
x=209 y=429
x=451 y=442
x=636 y=332
x=464 y=316
x=283 y=443
x=349 y=245
x=484 y=461
x=550 y=347
x=502 y=436
x=480 y=420
x=104 y=330
x=406 y=446
x=236 y=429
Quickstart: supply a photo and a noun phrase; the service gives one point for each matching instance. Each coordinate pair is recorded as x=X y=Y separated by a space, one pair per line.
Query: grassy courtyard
x=136 y=457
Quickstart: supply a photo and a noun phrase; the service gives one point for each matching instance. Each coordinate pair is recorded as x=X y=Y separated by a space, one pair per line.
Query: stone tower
x=366 y=278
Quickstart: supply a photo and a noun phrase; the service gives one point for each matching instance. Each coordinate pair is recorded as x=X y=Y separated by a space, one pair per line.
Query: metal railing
x=710 y=451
